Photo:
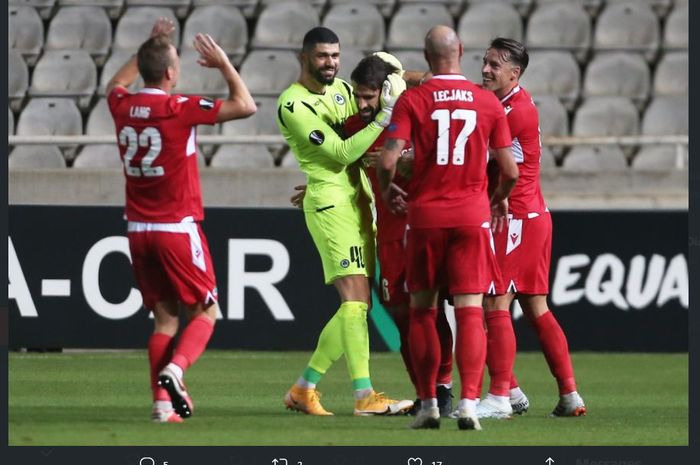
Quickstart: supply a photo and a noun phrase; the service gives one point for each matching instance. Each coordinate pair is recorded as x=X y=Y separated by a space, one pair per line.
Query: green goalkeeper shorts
x=345 y=238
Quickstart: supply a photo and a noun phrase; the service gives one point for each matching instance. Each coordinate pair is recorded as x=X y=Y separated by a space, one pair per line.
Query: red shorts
x=462 y=259
x=392 y=272
x=171 y=261
x=523 y=252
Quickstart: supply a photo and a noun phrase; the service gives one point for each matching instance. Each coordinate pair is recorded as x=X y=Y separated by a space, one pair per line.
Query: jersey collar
x=450 y=77
x=515 y=90
x=152 y=91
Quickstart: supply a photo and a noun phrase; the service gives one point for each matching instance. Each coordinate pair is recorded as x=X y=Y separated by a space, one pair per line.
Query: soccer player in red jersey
x=169 y=252
x=523 y=249
x=451 y=122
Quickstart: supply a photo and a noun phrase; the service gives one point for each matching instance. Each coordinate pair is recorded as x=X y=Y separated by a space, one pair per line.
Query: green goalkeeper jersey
x=313 y=124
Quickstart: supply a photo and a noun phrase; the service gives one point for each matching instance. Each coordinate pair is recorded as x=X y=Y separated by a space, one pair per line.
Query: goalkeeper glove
x=391 y=90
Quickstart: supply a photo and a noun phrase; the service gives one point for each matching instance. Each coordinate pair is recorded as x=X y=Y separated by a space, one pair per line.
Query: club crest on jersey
x=344 y=263
x=339 y=99
x=316 y=137
x=206 y=104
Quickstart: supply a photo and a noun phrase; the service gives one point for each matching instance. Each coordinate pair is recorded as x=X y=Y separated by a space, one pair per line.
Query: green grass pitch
x=103 y=398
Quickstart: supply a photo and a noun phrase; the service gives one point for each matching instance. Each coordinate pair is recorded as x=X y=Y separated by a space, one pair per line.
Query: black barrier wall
x=619 y=281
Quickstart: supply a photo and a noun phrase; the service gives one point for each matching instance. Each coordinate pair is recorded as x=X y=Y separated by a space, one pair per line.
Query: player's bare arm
x=508 y=175
x=128 y=73
x=393 y=198
x=240 y=103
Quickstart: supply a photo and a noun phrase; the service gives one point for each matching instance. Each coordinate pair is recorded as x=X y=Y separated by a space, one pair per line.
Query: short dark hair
x=513 y=51
x=319 y=35
x=153 y=59
x=371 y=71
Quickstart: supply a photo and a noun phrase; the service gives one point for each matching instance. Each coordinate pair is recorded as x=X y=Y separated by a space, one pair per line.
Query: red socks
x=556 y=351
x=160 y=350
x=193 y=341
x=445 y=335
x=500 y=354
x=425 y=349
x=471 y=349
x=401 y=318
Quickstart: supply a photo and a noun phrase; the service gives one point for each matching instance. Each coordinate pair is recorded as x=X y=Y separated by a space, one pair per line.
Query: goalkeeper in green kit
x=338 y=211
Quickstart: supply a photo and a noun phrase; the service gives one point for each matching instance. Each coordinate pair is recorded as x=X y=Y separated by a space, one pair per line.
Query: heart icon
x=415 y=461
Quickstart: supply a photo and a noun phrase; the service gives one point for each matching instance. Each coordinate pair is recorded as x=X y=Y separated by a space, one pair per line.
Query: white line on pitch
x=55 y=287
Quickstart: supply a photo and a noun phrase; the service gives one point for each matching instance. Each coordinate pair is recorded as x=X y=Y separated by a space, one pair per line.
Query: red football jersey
x=390 y=227
x=524 y=125
x=451 y=122
x=156 y=133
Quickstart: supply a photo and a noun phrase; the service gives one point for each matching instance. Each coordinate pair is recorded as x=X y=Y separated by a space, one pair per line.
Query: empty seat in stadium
x=65 y=73
x=357 y=26
x=606 y=116
x=660 y=7
x=100 y=121
x=472 y=62
x=412 y=59
x=455 y=7
x=135 y=26
x=671 y=77
x=263 y=122
x=592 y=7
x=10 y=122
x=269 y=72
x=18 y=79
x=617 y=73
x=207 y=130
x=676 y=29
x=522 y=6
x=553 y=73
x=317 y=5
x=283 y=25
x=36 y=157
x=181 y=7
x=603 y=158
x=483 y=22
x=628 y=27
x=554 y=121
x=43 y=7
x=247 y=7
x=199 y=80
x=660 y=158
x=98 y=156
x=26 y=33
x=112 y=7
x=116 y=60
x=81 y=27
x=50 y=117
x=225 y=24
x=385 y=7
x=547 y=159
x=666 y=114
x=560 y=26
x=411 y=22
x=349 y=58
x=242 y=156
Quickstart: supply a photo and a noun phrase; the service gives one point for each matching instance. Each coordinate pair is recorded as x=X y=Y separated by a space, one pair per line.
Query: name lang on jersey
x=450 y=95
x=140 y=112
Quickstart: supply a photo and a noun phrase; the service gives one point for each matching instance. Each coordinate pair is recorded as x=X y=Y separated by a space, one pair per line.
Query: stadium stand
x=112 y=7
x=98 y=156
x=283 y=25
x=455 y=7
x=261 y=123
x=269 y=72
x=224 y=23
x=81 y=28
x=289 y=161
x=666 y=114
x=411 y=22
x=51 y=117
x=26 y=32
x=592 y=7
x=671 y=77
x=472 y=61
x=18 y=79
x=100 y=121
x=603 y=158
x=135 y=26
x=116 y=60
x=482 y=22
x=385 y=7
x=553 y=73
x=208 y=130
x=606 y=116
x=660 y=7
x=10 y=121
x=317 y=5
x=349 y=58
x=412 y=59
x=43 y=7
x=616 y=73
x=522 y=6
x=65 y=73
x=630 y=27
x=560 y=26
x=676 y=30
x=181 y=7
x=359 y=27
x=242 y=156
x=36 y=157
x=660 y=158
x=198 y=80
x=547 y=159
x=248 y=8
x=554 y=121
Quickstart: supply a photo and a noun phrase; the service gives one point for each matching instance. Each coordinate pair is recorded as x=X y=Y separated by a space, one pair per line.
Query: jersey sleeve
x=307 y=128
x=115 y=97
x=194 y=110
x=400 y=127
x=500 y=136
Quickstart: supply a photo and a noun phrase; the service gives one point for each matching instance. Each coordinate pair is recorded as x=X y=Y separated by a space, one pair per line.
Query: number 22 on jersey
x=444 y=119
x=148 y=138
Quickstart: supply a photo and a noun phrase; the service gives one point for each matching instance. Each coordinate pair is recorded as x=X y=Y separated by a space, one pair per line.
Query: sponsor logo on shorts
x=206 y=104
x=317 y=137
x=339 y=99
x=344 y=263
